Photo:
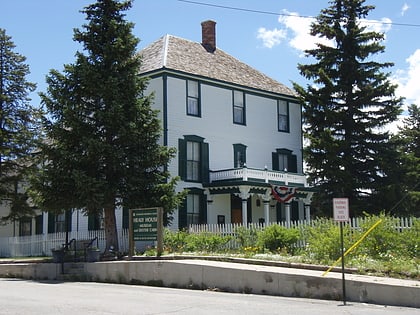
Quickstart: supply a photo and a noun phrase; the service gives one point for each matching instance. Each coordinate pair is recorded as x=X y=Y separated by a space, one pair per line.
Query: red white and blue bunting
x=283 y=193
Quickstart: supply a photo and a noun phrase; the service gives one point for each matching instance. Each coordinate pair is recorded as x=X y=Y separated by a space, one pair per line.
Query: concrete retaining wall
x=235 y=277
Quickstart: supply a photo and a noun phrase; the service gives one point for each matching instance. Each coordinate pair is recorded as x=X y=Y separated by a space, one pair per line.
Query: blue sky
x=272 y=42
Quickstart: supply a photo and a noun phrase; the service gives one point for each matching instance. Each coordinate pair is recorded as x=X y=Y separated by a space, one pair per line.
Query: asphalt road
x=36 y=297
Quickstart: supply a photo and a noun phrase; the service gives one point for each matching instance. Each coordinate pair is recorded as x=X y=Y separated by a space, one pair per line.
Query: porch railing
x=262 y=175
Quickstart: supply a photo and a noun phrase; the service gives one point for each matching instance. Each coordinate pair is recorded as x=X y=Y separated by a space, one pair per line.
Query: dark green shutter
x=275 y=161
x=38 y=224
x=294 y=208
x=292 y=163
x=91 y=222
x=51 y=223
x=68 y=215
x=203 y=209
x=182 y=215
x=125 y=218
x=182 y=158
x=205 y=162
x=278 y=212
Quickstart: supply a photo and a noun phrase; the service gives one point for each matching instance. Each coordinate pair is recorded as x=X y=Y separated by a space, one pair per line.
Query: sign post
x=341 y=214
x=146 y=224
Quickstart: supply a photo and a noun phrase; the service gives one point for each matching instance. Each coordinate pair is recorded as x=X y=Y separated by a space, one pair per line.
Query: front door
x=236 y=209
x=236 y=216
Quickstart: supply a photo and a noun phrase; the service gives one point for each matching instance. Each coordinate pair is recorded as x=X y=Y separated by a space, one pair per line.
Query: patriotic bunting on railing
x=282 y=193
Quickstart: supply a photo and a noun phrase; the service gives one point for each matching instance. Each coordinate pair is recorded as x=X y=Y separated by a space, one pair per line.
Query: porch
x=269 y=186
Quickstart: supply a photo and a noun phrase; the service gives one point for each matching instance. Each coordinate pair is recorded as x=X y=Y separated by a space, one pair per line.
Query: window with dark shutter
x=284 y=160
x=239 y=155
x=193 y=159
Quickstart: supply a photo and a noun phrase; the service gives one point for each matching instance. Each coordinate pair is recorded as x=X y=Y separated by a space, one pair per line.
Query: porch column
x=307 y=205
x=266 y=200
x=266 y=211
x=244 y=195
x=307 y=212
x=45 y=223
x=45 y=231
x=209 y=198
x=287 y=212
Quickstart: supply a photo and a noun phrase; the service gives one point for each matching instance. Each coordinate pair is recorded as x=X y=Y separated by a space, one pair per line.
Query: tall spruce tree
x=346 y=108
x=18 y=125
x=102 y=148
x=405 y=168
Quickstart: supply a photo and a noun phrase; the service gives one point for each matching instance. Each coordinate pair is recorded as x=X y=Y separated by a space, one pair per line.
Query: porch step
x=73 y=271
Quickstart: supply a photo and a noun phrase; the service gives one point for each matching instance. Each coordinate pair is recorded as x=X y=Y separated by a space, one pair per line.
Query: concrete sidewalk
x=234 y=277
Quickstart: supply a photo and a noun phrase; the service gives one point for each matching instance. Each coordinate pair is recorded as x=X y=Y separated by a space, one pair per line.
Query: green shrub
x=277 y=238
x=323 y=242
x=411 y=240
x=385 y=242
x=207 y=242
x=246 y=237
x=175 y=241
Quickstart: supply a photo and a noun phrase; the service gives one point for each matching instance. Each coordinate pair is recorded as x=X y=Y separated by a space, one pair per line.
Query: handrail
x=66 y=248
x=91 y=242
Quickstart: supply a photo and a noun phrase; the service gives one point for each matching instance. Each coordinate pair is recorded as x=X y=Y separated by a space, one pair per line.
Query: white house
x=238 y=134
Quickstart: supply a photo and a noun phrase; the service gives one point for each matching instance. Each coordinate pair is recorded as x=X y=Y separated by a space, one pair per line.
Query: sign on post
x=341 y=214
x=146 y=224
x=341 y=209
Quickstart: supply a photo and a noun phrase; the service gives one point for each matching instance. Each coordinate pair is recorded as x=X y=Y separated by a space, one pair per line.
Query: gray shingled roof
x=179 y=54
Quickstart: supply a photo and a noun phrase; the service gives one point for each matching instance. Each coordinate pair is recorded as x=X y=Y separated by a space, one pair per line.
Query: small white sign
x=341 y=209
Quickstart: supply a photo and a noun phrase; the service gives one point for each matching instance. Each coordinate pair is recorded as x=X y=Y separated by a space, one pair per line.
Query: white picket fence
x=41 y=245
x=400 y=224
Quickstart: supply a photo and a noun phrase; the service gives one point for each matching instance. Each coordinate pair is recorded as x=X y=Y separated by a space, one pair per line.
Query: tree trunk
x=111 y=229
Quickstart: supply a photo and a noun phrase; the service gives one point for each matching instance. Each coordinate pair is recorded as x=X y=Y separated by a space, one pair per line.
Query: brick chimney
x=208 y=35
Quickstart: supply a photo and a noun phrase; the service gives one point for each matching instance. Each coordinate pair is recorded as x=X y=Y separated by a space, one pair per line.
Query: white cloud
x=299 y=27
x=380 y=26
x=271 y=38
x=407 y=80
x=296 y=31
x=404 y=9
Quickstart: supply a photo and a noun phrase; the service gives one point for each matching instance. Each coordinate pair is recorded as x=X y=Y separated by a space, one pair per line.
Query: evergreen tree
x=347 y=108
x=18 y=121
x=406 y=167
x=103 y=136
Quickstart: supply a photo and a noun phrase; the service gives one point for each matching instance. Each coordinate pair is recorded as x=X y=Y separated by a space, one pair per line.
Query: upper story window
x=193 y=98
x=283 y=115
x=238 y=107
x=239 y=153
x=193 y=159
